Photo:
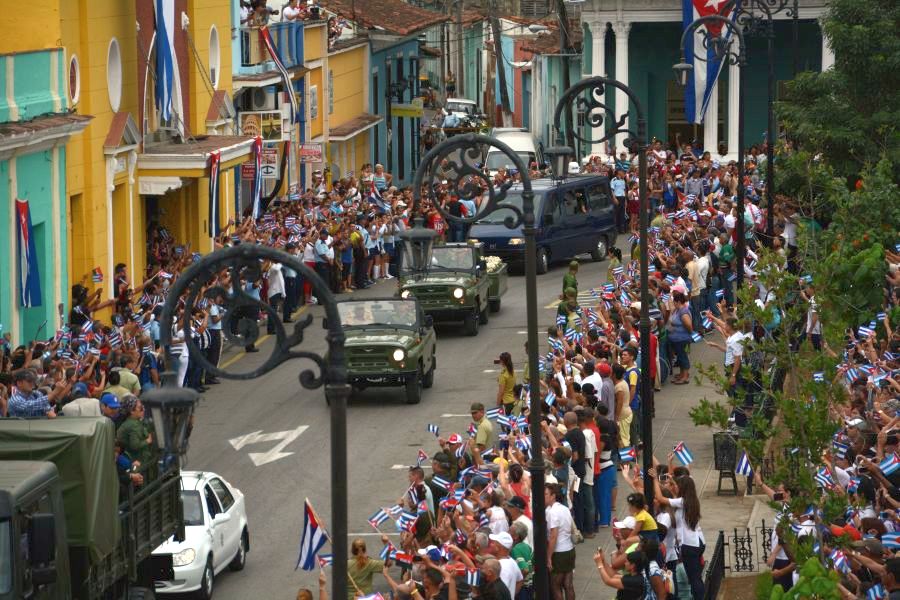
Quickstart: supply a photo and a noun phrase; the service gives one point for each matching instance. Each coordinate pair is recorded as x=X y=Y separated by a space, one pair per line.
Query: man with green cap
x=570 y=279
x=569 y=303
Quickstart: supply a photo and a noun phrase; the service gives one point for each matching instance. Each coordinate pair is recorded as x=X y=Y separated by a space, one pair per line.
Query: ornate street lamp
x=170 y=410
x=219 y=275
x=722 y=47
x=416 y=249
x=559 y=160
x=588 y=96
x=456 y=160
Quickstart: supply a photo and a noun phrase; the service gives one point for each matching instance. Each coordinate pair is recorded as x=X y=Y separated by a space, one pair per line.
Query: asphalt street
x=384 y=434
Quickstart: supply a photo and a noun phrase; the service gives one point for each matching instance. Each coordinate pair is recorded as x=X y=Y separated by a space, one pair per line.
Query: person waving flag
x=312 y=539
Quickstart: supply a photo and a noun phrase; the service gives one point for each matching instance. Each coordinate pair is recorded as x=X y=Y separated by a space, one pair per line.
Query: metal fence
x=743 y=550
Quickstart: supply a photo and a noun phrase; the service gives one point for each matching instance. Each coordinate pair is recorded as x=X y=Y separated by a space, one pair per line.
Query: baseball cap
x=79 y=390
x=604 y=369
x=626 y=523
x=871 y=545
x=503 y=538
x=516 y=502
x=454 y=438
x=109 y=400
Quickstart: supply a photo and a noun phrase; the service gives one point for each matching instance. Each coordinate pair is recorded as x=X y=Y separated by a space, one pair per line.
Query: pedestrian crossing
x=585 y=298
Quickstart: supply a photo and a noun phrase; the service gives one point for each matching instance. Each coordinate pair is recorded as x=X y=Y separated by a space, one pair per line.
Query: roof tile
x=394 y=16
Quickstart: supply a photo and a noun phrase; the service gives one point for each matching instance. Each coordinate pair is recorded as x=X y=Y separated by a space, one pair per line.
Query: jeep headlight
x=516 y=241
x=405 y=294
x=458 y=293
x=473 y=240
x=184 y=558
x=398 y=355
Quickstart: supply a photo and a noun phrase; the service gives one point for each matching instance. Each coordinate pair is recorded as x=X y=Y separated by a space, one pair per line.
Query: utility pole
x=460 y=55
x=565 y=48
x=390 y=119
x=501 y=72
x=444 y=59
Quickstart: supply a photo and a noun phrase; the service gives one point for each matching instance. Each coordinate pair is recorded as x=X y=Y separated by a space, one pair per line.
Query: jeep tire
x=494 y=305
x=470 y=324
x=414 y=388
x=484 y=316
x=428 y=380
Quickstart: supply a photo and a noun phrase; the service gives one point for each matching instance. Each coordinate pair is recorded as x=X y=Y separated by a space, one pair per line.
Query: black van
x=573 y=216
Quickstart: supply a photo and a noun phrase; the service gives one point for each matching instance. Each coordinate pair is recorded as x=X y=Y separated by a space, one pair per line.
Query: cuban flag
x=378 y=518
x=889 y=464
x=743 y=467
x=683 y=454
x=705 y=74
x=312 y=540
x=166 y=65
x=29 y=276
x=628 y=454
x=266 y=37
x=215 y=159
x=256 y=188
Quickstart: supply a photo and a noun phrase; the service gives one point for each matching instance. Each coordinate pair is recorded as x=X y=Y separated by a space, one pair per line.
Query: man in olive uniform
x=570 y=279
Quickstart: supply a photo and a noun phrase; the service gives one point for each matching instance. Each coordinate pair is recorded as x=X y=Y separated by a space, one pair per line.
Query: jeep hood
x=460 y=279
x=373 y=337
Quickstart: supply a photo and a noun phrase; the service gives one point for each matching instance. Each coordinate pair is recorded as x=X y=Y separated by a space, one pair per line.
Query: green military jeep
x=389 y=342
x=457 y=286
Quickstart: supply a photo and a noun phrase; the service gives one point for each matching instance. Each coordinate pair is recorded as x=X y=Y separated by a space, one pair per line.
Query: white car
x=216 y=534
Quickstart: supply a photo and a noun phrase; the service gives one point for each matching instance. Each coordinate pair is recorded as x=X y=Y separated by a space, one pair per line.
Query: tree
x=849 y=115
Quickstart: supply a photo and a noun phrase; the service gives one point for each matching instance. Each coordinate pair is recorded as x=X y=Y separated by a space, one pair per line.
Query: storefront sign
x=310 y=153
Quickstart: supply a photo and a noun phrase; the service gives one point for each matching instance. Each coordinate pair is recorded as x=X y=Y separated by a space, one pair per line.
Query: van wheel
x=598 y=252
x=470 y=325
x=543 y=261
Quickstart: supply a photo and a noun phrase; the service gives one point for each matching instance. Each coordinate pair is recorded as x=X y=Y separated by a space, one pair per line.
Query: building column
x=621 y=30
x=598 y=67
x=734 y=90
x=711 y=122
x=827 y=52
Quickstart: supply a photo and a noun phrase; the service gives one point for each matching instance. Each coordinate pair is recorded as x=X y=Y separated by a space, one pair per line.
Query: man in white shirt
x=516 y=508
x=813 y=324
x=510 y=574
x=585 y=419
x=560 y=547
x=276 y=294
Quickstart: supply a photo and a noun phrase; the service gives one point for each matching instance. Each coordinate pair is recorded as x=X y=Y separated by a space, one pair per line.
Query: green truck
x=65 y=532
x=457 y=286
x=389 y=342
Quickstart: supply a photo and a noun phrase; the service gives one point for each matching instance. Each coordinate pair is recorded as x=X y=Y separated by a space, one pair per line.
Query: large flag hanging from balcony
x=27 y=263
x=273 y=52
x=215 y=158
x=256 y=188
x=165 y=57
x=705 y=74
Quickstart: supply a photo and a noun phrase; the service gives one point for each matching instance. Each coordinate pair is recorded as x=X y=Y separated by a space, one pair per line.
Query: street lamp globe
x=170 y=409
x=682 y=72
x=415 y=253
x=559 y=160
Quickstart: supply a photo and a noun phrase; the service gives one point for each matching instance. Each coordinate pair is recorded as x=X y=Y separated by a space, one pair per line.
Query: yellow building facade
x=130 y=170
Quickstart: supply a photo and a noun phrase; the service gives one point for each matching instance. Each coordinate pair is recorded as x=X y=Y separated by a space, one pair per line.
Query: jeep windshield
x=389 y=313
x=514 y=198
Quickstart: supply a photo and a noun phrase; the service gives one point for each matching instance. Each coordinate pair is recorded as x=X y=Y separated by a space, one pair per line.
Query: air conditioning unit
x=263 y=99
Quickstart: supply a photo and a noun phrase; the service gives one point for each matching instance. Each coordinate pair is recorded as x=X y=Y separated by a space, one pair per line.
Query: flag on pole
x=266 y=37
x=256 y=188
x=97 y=275
x=705 y=74
x=433 y=429
x=215 y=159
x=421 y=457
x=378 y=518
x=326 y=560
x=312 y=539
x=166 y=65
x=628 y=454
x=28 y=274
x=683 y=454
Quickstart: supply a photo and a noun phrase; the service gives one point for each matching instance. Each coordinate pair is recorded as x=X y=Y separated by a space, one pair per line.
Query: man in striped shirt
x=26 y=402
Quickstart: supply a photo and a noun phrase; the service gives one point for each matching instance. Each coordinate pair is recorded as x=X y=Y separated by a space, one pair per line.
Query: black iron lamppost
x=199 y=284
x=749 y=21
x=722 y=48
x=588 y=97
x=457 y=159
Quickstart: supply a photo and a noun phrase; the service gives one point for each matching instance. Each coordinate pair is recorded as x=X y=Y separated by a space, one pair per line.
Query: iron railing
x=715 y=569
x=743 y=550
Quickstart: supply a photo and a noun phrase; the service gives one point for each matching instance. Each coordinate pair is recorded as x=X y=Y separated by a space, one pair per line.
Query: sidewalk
x=672 y=425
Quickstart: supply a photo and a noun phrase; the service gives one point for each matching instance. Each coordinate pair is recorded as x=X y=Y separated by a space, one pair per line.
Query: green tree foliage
x=849 y=115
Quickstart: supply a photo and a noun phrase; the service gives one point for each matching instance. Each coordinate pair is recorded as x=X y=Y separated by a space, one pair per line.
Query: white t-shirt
x=498 y=523
x=275 y=279
x=734 y=347
x=510 y=574
x=559 y=518
x=730 y=221
x=702 y=272
x=595 y=380
x=686 y=535
x=665 y=519
x=289 y=13
x=813 y=310
x=529 y=526
x=590 y=450
x=309 y=253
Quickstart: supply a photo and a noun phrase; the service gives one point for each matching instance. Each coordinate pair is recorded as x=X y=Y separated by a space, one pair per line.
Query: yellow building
x=132 y=168
x=338 y=100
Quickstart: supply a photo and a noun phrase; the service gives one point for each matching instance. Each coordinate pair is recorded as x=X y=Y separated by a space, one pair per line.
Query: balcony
x=288 y=38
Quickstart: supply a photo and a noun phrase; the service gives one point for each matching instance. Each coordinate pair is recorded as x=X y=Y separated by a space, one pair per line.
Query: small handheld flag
x=312 y=539
x=433 y=429
x=421 y=457
x=493 y=413
x=326 y=560
x=378 y=518
x=97 y=275
x=683 y=454
x=628 y=454
x=696 y=337
x=819 y=377
x=743 y=466
x=473 y=577
x=889 y=464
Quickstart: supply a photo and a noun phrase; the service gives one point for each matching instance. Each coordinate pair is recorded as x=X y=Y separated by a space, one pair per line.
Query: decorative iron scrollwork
x=458 y=162
x=218 y=277
x=587 y=98
x=742 y=553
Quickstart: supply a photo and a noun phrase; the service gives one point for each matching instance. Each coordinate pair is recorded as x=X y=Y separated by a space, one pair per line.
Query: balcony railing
x=288 y=38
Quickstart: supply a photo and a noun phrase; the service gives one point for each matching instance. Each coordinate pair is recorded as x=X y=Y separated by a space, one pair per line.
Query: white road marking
x=399 y=467
x=489 y=371
x=449 y=415
x=522 y=332
x=262 y=458
x=372 y=534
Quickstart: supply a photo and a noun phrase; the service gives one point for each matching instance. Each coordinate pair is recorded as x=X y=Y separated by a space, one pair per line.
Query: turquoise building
x=35 y=126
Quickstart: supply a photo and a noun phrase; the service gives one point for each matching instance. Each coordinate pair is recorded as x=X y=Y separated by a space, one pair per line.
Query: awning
x=191 y=158
x=353 y=127
x=265 y=78
x=18 y=136
x=429 y=52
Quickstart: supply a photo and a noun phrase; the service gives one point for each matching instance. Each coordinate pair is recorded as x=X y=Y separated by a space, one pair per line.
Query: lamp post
x=722 y=49
x=457 y=158
x=748 y=20
x=219 y=275
x=588 y=96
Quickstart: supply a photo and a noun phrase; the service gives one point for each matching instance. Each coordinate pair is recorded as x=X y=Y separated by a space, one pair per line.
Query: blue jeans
x=681 y=355
x=711 y=299
x=604 y=484
x=583 y=508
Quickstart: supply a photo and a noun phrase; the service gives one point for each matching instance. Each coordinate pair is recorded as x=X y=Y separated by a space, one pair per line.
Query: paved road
x=384 y=434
